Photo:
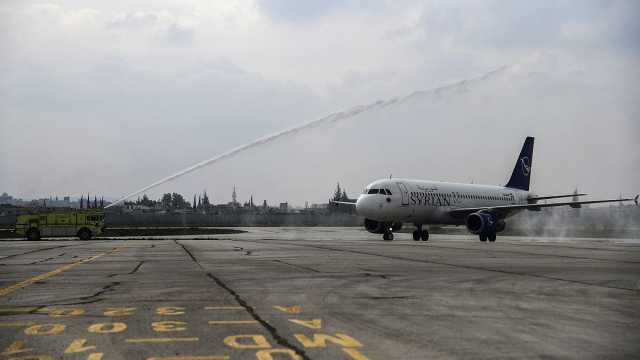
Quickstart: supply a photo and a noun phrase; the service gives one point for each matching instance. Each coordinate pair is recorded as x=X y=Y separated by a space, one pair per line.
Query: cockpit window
x=373 y=191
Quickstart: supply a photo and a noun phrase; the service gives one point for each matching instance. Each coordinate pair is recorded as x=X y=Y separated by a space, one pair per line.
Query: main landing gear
x=420 y=234
x=490 y=236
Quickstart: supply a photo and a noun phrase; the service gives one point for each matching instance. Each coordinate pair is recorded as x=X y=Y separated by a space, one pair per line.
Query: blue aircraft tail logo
x=521 y=175
x=526 y=168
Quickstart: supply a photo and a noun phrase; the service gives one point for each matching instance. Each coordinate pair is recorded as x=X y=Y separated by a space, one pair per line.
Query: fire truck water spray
x=332 y=118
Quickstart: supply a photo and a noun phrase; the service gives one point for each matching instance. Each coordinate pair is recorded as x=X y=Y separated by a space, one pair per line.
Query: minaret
x=234 y=196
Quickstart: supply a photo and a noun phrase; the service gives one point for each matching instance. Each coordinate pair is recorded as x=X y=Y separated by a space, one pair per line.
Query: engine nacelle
x=376 y=227
x=484 y=222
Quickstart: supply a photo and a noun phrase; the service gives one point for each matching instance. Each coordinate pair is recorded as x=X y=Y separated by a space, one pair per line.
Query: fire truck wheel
x=33 y=235
x=84 y=234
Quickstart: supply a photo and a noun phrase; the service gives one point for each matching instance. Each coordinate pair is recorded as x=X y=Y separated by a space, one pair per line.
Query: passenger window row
x=479 y=197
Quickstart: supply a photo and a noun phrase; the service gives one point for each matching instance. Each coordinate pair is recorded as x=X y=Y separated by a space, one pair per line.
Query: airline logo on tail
x=526 y=168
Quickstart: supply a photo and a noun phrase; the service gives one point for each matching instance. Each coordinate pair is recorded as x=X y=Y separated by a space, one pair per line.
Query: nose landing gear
x=420 y=234
x=490 y=236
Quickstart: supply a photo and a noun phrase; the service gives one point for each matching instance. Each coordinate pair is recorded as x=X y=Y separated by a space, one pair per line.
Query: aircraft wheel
x=388 y=236
x=425 y=235
x=492 y=237
x=483 y=237
x=33 y=235
x=416 y=235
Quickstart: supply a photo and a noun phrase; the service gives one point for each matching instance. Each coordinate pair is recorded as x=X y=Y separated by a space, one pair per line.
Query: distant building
x=6 y=199
x=234 y=198
x=284 y=206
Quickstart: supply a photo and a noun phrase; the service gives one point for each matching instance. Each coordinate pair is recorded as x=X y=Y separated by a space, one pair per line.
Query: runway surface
x=319 y=293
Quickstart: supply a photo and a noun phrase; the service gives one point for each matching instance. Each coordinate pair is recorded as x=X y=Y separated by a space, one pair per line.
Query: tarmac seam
x=455 y=265
x=33 y=251
x=135 y=270
x=189 y=253
x=270 y=329
x=297 y=266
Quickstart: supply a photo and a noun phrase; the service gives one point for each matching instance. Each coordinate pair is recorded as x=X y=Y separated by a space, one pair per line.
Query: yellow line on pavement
x=160 y=340
x=22 y=284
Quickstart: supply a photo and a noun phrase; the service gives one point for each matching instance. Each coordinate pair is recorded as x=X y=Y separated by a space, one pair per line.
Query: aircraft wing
x=537 y=198
x=343 y=203
x=507 y=208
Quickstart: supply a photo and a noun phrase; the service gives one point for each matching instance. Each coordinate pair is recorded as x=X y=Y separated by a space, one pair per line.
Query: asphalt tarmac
x=319 y=293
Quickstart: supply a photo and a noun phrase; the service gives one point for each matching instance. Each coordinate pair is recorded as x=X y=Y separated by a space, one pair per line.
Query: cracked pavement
x=319 y=293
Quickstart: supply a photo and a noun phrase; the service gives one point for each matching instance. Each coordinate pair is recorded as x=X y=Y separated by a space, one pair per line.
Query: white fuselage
x=429 y=202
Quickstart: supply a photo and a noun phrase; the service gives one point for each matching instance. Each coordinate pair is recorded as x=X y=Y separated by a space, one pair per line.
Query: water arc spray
x=305 y=126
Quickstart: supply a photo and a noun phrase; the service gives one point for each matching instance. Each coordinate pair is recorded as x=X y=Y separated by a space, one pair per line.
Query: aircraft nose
x=363 y=206
x=359 y=205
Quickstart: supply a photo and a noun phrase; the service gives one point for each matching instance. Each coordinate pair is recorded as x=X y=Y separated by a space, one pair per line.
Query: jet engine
x=379 y=227
x=375 y=227
x=484 y=222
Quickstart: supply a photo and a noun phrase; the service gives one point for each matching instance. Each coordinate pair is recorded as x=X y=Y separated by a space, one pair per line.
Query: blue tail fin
x=522 y=171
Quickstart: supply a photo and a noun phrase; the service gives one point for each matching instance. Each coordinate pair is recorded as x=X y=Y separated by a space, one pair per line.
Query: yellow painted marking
x=313 y=324
x=15 y=311
x=165 y=326
x=239 y=342
x=62 y=312
x=170 y=310
x=15 y=324
x=78 y=345
x=107 y=328
x=95 y=356
x=190 y=358
x=354 y=354
x=46 y=329
x=16 y=347
x=223 y=308
x=125 y=311
x=266 y=354
x=320 y=340
x=25 y=283
x=34 y=357
x=295 y=309
x=232 y=322
x=160 y=340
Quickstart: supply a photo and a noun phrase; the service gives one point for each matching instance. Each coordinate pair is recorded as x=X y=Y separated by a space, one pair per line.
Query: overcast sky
x=109 y=96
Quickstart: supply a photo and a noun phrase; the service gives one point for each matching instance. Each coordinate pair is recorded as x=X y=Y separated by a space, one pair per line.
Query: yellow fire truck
x=83 y=224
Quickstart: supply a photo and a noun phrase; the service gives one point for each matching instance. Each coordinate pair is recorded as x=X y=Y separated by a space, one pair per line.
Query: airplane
x=388 y=203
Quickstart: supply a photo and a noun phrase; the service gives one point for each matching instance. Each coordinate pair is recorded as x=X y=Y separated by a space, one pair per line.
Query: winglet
x=636 y=200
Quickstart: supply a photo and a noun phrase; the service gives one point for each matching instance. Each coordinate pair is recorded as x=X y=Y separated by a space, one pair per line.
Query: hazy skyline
x=108 y=97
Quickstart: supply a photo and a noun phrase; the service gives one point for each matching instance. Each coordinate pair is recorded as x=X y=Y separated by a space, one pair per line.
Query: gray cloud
x=133 y=20
x=102 y=100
